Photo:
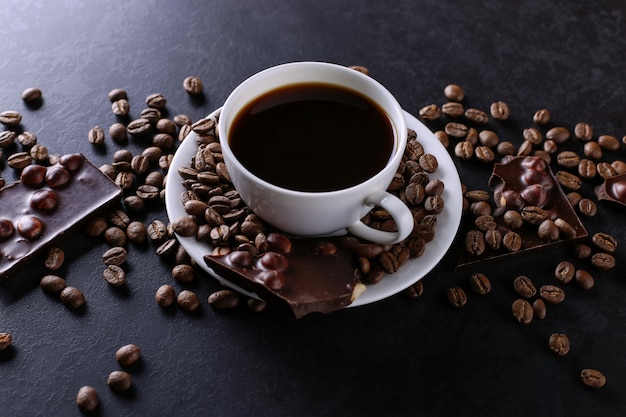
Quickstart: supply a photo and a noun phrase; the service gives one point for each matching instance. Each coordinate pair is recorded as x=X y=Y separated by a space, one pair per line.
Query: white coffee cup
x=319 y=213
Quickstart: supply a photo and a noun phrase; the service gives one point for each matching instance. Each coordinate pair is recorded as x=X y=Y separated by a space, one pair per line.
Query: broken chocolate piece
x=37 y=215
x=309 y=278
x=527 y=185
x=613 y=189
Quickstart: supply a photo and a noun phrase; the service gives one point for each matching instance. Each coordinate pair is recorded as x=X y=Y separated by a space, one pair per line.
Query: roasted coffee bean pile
x=494 y=214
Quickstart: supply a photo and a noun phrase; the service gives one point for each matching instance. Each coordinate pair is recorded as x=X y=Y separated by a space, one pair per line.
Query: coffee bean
x=583 y=131
x=608 y=143
x=115 y=256
x=548 y=231
x=539 y=309
x=584 y=279
x=54 y=259
x=153 y=115
x=27 y=139
x=115 y=236
x=513 y=219
x=72 y=297
x=52 y=284
x=128 y=354
x=593 y=378
x=559 y=344
x=568 y=159
x=606 y=170
x=114 y=275
x=587 y=207
x=87 y=399
x=452 y=109
x=558 y=134
x=10 y=118
x=119 y=381
x=118 y=94
x=582 y=251
x=19 y=160
x=224 y=299
x=542 y=116
x=476 y=116
x=532 y=135
x=480 y=284
x=524 y=286
x=118 y=133
x=165 y=295
x=456 y=296
x=475 y=242
x=430 y=112
x=454 y=92
x=587 y=169
x=604 y=241
x=488 y=138
x=512 y=241
x=505 y=148
x=183 y=273
x=31 y=94
x=138 y=127
x=415 y=290
x=96 y=135
x=603 y=261
x=484 y=154
x=193 y=85
x=619 y=167
x=564 y=271
x=552 y=294
x=534 y=215
x=120 y=107
x=6 y=340
x=184 y=226
x=525 y=148
x=568 y=180
x=95 y=227
x=7 y=137
x=156 y=101
x=188 y=300
x=456 y=130
x=464 y=149
x=499 y=110
x=522 y=311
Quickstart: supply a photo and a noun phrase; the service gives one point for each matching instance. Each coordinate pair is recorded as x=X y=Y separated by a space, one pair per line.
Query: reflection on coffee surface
x=312 y=137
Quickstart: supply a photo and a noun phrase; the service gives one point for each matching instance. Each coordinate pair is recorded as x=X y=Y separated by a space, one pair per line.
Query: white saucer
x=448 y=221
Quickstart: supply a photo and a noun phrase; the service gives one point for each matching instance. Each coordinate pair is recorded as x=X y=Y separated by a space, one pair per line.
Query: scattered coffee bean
x=608 y=143
x=592 y=150
x=512 y=241
x=96 y=135
x=584 y=279
x=522 y=311
x=6 y=340
x=558 y=134
x=193 y=85
x=603 y=261
x=117 y=94
x=183 y=273
x=114 y=275
x=559 y=344
x=539 y=309
x=115 y=256
x=456 y=296
x=593 y=378
x=224 y=299
x=430 y=112
x=72 y=297
x=552 y=294
x=480 y=284
x=119 y=381
x=128 y=354
x=564 y=271
x=31 y=94
x=583 y=131
x=52 y=284
x=499 y=110
x=604 y=241
x=456 y=130
x=542 y=116
x=120 y=107
x=10 y=118
x=476 y=116
x=87 y=399
x=452 y=109
x=454 y=92
x=156 y=101
x=587 y=207
x=165 y=295
x=415 y=290
x=188 y=300
x=524 y=286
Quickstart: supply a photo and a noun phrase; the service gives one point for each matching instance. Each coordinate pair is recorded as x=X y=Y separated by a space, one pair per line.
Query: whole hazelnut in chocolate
x=6 y=229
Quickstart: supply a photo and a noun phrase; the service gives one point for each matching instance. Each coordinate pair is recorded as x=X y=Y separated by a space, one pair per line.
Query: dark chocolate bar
x=521 y=182
x=46 y=205
x=613 y=189
x=315 y=275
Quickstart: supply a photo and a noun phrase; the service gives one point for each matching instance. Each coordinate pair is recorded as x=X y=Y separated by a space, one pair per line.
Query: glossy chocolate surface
x=317 y=275
x=613 y=189
x=532 y=179
x=87 y=191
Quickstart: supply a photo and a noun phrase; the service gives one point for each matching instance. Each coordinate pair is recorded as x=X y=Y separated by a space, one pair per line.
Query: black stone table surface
x=397 y=357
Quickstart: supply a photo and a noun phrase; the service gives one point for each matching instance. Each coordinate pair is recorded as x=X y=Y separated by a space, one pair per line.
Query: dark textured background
x=398 y=357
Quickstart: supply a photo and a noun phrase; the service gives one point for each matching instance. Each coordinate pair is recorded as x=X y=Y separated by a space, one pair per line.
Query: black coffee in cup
x=312 y=137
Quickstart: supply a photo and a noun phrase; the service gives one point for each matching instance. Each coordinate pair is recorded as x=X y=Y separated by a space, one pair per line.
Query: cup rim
x=399 y=131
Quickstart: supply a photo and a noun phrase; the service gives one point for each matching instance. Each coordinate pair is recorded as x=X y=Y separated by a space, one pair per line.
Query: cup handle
x=398 y=210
